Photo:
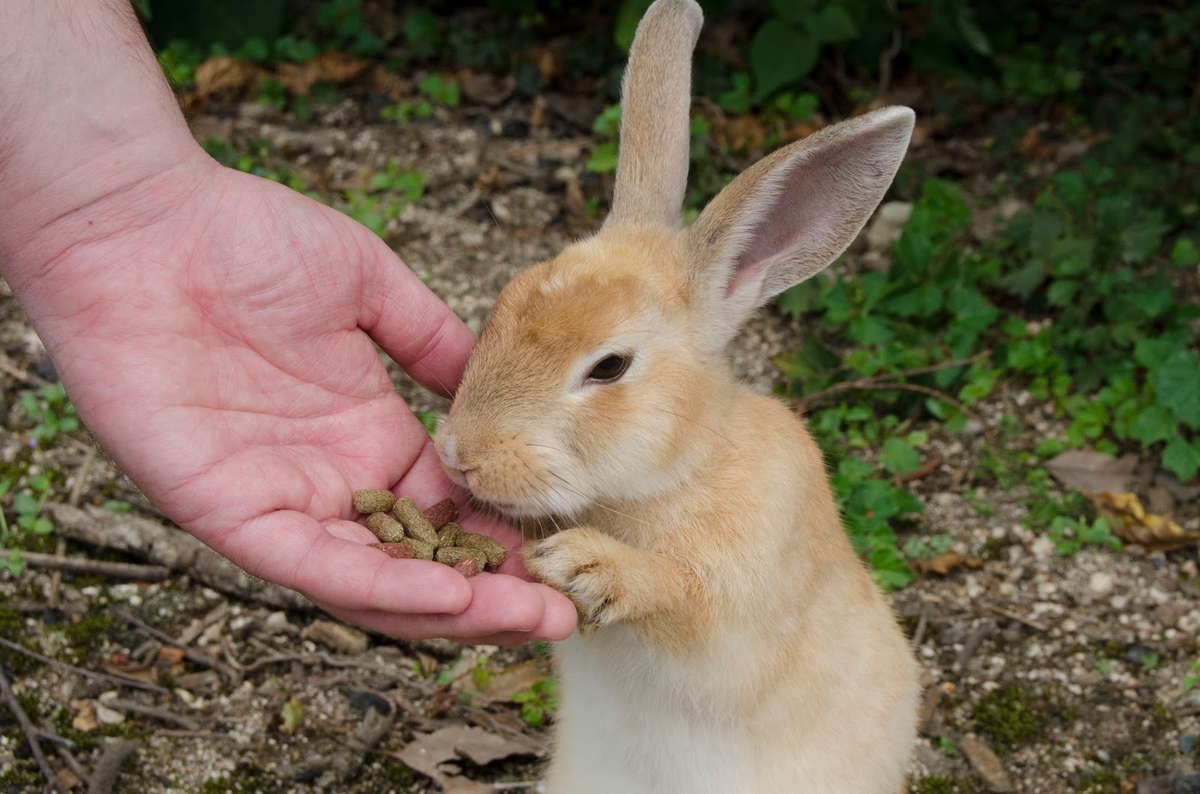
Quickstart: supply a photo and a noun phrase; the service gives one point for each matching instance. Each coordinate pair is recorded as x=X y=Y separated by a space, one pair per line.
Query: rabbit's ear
x=656 y=99
x=791 y=214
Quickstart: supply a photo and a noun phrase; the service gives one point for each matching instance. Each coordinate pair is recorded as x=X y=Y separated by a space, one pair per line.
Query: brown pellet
x=495 y=553
x=414 y=521
x=468 y=566
x=401 y=550
x=442 y=513
x=375 y=500
x=386 y=528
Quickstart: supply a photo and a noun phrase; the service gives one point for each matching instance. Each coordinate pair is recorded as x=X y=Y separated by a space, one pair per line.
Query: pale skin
x=217 y=334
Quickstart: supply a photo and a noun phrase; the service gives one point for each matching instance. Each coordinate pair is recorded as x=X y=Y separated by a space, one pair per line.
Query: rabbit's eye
x=610 y=368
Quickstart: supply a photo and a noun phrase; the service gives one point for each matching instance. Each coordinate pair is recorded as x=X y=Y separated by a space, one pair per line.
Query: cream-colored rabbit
x=730 y=639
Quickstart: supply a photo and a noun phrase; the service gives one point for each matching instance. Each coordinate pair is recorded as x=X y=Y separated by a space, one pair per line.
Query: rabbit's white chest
x=627 y=724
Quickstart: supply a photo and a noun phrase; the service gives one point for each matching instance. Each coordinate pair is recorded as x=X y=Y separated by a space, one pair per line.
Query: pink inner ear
x=818 y=206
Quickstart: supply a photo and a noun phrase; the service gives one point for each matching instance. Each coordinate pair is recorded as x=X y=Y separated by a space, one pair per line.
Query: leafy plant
x=1072 y=534
x=27 y=504
x=538 y=702
x=52 y=412
x=443 y=91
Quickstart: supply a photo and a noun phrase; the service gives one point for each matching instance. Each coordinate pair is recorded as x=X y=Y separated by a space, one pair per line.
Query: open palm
x=223 y=349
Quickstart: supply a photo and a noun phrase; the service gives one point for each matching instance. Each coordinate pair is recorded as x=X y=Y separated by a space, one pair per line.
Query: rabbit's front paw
x=582 y=564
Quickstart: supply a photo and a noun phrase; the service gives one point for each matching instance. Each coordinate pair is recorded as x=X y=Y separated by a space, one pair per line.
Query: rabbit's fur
x=730 y=640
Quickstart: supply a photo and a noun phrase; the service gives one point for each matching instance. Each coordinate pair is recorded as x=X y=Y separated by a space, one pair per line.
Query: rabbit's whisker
x=712 y=430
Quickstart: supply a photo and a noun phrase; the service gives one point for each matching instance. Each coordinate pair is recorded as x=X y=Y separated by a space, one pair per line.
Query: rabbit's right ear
x=790 y=215
x=656 y=98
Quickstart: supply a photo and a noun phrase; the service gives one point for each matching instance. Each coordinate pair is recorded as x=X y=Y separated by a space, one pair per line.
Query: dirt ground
x=1043 y=673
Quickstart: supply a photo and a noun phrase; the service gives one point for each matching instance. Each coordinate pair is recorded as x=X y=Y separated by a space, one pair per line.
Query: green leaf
x=780 y=54
x=1141 y=240
x=1154 y=423
x=832 y=24
x=608 y=121
x=14 y=561
x=38 y=482
x=924 y=301
x=1185 y=253
x=899 y=456
x=798 y=11
x=1177 y=385
x=800 y=299
x=42 y=526
x=24 y=503
x=737 y=99
x=628 y=16
x=604 y=158
x=1182 y=458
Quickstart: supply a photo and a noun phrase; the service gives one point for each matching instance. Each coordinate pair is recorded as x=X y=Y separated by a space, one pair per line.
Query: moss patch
x=944 y=784
x=245 y=779
x=1018 y=714
x=12 y=628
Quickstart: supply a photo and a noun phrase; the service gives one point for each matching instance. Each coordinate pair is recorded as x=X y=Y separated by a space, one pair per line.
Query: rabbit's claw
x=578 y=563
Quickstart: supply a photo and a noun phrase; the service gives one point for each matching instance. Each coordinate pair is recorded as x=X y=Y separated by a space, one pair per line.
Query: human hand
x=215 y=333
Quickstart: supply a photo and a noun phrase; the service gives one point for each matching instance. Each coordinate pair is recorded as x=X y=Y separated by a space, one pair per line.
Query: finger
x=296 y=551
x=412 y=324
x=502 y=606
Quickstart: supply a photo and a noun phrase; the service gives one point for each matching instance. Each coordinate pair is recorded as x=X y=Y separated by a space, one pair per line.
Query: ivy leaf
x=833 y=24
x=1177 y=385
x=604 y=158
x=1185 y=253
x=1154 y=423
x=1182 y=458
x=899 y=456
x=780 y=54
x=1141 y=240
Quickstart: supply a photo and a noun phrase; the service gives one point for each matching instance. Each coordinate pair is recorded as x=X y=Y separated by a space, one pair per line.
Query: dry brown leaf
x=986 y=764
x=171 y=656
x=339 y=636
x=1132 y=524
x=85 y=716
x=332 y=67
x=506 y=683
x=429 y=751
x=740 y=133
x=68 y=779
x=486 y=88
x=943 y=564
x=118 y=664
x=1092 y=472
x=224 y=73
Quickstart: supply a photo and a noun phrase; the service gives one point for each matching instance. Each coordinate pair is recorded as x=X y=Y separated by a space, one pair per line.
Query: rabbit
x=729 y=638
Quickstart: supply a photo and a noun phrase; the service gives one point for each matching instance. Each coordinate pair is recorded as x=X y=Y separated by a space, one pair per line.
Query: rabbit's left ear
x=788 y=216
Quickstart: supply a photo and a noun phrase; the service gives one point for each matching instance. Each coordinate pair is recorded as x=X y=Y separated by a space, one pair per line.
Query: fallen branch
x=31 y=733
x=199 y=657
x=130 y=682
x=152 y=711
x=117 y=570
x=888 y=381
x=169 y=547
x=108 y=768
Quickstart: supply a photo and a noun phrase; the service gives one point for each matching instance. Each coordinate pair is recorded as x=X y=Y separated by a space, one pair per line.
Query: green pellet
x=375 y=500
x=452 y=555
x=386 y=528
x=414 y=521
x=421 y=549
x=448 y=535
x=493 y=551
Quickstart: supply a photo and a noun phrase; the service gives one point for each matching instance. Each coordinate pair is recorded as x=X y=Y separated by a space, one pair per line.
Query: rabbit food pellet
x=429 y=534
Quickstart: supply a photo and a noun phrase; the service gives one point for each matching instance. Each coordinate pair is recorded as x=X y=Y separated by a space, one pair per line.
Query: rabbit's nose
x=447 y=448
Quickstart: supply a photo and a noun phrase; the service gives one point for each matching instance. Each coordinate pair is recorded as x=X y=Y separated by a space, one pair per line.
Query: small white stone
x=108 y=716
x=1043 y=548
x=1101 y=583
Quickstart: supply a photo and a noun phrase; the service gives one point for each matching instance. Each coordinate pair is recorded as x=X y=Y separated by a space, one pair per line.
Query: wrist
x=92 y=120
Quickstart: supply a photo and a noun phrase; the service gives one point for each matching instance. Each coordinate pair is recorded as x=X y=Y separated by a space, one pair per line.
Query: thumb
x=412 y=324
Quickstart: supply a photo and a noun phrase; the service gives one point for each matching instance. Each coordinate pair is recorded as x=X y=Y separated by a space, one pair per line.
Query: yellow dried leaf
x=1132 y=524
x=223 y=73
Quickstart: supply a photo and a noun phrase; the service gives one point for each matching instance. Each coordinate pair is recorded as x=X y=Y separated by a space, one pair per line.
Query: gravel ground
x=1043 y=673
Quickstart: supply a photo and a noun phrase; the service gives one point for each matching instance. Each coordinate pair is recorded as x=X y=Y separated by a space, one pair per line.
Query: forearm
x=85 y=118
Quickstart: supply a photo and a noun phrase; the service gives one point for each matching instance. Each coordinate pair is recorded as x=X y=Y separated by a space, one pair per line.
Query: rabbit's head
x=601 y=373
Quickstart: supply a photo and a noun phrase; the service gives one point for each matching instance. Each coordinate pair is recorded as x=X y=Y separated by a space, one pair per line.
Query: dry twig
x=130 y=682
x=199 y=657
x=117 y=570
x=152 y=711
x=31 y=732
x=891 y=382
